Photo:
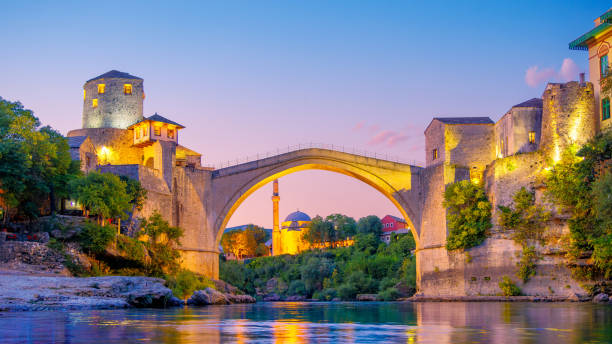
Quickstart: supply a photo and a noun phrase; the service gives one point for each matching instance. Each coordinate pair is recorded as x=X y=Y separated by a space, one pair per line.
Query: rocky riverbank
x=20 y=292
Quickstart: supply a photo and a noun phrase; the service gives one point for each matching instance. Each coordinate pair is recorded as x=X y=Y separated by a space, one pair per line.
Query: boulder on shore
x=367 y=297
x=206 y=297
x=27 y=293
x=601 y=298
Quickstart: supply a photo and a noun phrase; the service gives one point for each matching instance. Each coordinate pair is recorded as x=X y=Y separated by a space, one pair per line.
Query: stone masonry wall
x=118 y=143
x=567 y=117
x=434 y=139
x=115 y=109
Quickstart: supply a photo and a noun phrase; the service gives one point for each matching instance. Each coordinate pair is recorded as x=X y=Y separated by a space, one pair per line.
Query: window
x=84 y=94
x=138 y=131
x=605 y=109
x=603 y=65
x=94 y=102
x=127 y=88
x=145 y=131
x=532 y=137
x=435 y=154
x=170 y=133
x=157 y=130
x=101 y=88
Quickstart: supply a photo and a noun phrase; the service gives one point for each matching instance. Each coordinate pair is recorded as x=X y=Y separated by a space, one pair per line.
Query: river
x=320 y=322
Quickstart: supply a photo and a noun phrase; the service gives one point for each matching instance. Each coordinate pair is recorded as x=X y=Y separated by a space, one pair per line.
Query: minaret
x=276 y=234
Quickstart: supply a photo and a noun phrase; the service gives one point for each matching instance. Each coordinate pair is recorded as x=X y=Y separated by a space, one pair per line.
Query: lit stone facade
x=112 y=100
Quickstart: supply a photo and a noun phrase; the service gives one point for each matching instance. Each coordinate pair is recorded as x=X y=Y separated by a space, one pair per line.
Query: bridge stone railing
x=332 y=147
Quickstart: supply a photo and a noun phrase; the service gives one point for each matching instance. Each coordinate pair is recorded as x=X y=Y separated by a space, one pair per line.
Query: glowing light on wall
x=84 y=94
x=94 y=102
x=127 y=88
x=104 y=155
x=101 y=88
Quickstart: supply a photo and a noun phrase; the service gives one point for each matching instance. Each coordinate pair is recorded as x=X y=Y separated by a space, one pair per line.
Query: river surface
x=321 y=322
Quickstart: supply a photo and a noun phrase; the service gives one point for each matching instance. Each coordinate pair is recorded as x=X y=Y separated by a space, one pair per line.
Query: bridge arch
x=400 y=183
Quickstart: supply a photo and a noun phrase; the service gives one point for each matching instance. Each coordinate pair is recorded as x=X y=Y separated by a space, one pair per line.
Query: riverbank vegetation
x=368 y=267
x=580 y=185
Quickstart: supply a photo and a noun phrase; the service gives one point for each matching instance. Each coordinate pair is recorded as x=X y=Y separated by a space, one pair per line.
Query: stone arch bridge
x=207 y=199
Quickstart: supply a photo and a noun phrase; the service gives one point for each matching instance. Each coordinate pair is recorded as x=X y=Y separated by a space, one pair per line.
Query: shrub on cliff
x=526 y=218
x=162 y=242
x=508 y=287
x=94 y=238
x=468 y=215
x=580 y=183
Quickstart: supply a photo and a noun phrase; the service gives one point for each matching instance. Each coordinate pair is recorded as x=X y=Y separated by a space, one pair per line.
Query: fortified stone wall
x=115 y=108
x=514 y=127
x=434 y=139
x=567 y=117
x=192 y=195
x=436 y=270
x=118 y=143
x=470 y=145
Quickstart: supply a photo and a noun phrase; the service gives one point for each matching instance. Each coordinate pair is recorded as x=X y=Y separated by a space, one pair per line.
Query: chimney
x=581 y=78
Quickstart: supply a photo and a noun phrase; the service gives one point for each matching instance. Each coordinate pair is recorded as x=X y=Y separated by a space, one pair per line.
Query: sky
x=248 y=77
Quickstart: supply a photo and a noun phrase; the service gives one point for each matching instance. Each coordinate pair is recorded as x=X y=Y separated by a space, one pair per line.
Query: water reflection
x=321 y=323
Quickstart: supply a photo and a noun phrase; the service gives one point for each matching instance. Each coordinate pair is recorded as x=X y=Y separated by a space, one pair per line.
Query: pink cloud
x=380 y=137
x=388 y=138
x=358 y=126
x=569 y=70
x=534 y=76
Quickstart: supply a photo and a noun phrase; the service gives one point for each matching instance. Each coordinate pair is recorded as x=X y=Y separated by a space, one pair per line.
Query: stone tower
x=276 y=233
x=112 y=100
x=568 y=117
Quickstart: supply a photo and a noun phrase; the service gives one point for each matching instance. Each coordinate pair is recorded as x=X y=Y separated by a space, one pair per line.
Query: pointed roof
x=115 y=74
x=76 y=141
x=533 y=102
x=157 y=118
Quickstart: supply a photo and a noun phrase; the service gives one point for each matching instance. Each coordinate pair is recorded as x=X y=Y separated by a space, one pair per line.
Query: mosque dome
x=297 y=216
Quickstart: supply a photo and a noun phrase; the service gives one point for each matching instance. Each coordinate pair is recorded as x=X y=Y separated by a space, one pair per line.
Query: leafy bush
x=508 y=287
x=132 y=248
x=94 y=238
x=527 y=264
x=525 y=218
x=347 y=291
x=389 y=294
x=468 y=215
x=297 y=287
x=184 y=282
x=163 y=238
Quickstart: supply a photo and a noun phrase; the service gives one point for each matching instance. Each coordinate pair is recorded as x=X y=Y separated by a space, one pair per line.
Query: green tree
x=137 y=194
x=35 y=164
x=163 y=241
x=345 y=226
x=102 y=194
x=319 y=231
x=468 y=215
x=369 y=224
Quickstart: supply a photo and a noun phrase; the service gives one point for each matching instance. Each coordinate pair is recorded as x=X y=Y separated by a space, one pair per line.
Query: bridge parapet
x=301 y=146
x=358 y=157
